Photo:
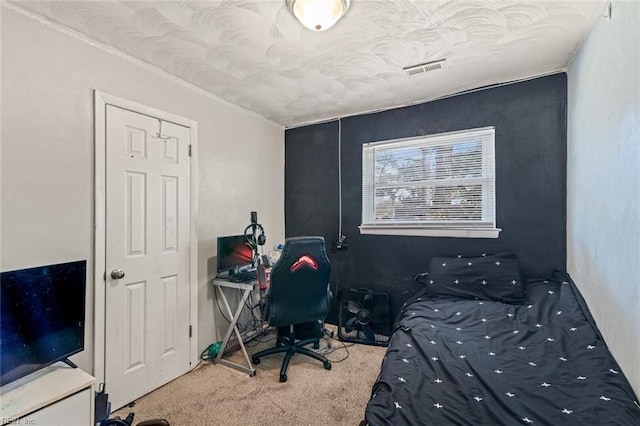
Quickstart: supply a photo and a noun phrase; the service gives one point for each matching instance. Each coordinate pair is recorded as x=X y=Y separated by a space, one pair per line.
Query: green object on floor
x=211 y=351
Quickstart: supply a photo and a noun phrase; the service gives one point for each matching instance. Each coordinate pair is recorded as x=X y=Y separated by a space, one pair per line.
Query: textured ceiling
x=256 y=55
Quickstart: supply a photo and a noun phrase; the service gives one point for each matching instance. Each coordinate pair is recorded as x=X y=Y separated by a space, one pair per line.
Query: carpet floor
x=217 y=395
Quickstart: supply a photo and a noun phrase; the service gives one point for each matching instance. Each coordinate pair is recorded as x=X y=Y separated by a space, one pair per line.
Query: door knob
x=117 y=274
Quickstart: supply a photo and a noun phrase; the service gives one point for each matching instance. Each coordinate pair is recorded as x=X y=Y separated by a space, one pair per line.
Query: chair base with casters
x=314 y=329
x=290 y=347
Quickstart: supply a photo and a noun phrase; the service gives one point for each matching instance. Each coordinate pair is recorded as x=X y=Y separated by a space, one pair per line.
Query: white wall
x=603 y=214
x=48 y=78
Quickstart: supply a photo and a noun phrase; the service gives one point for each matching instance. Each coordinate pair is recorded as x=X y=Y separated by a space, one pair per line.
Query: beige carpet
x=217 y=395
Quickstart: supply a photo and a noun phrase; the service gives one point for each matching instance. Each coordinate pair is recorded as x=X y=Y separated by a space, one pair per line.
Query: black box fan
x=364 y=317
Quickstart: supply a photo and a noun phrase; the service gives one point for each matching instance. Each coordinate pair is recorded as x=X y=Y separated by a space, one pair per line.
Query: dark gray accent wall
x=531 y=156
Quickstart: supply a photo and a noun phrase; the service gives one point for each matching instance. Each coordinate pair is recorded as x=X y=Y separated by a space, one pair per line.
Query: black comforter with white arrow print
x=469 y=362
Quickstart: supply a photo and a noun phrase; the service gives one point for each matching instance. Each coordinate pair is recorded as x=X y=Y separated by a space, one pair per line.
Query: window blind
x=445 y=180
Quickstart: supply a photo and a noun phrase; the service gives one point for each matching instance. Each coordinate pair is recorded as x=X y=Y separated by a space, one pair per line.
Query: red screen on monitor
x=233 y=252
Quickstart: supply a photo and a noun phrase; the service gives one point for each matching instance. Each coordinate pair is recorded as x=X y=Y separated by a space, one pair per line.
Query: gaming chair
x=298 y=293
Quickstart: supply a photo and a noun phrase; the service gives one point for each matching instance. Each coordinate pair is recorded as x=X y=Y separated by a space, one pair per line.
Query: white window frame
x=486 y=228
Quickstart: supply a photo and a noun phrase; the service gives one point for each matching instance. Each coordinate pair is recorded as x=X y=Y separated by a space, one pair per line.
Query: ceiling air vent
x=422 y=68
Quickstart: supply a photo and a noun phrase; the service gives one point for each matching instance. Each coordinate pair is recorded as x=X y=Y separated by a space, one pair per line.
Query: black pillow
x=495 y=277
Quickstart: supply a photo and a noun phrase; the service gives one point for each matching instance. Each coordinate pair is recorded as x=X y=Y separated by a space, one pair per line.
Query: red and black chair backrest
x=299 y=285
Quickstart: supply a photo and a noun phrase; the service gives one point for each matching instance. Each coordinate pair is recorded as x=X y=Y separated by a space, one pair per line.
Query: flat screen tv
x=234 y=253
x=42 y=317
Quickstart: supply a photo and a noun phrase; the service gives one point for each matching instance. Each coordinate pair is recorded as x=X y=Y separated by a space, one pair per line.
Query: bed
x=464 y=352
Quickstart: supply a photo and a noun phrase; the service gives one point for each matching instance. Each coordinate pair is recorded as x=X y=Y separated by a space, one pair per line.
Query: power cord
x=333 y=348
x=261 y=337
x=215 y=295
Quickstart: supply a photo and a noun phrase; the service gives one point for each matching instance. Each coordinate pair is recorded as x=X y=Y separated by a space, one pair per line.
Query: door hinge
x=189 y=150
x=190 y=331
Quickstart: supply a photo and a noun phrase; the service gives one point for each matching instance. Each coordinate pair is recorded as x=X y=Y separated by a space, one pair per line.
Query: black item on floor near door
x=117 y=421
x=102 y=407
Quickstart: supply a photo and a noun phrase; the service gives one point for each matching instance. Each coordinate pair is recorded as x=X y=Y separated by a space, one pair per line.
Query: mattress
x=453 y=361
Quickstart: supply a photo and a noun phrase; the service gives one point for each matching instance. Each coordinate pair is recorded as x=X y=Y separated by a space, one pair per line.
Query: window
x=436 y=185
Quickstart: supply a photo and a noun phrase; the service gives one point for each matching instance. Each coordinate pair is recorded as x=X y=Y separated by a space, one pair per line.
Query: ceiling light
x=318 y=15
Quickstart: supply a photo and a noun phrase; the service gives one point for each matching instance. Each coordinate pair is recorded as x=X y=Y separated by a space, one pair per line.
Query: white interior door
x=147 y=328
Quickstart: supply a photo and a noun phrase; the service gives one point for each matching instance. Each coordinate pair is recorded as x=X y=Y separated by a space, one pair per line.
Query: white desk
x=246 y=288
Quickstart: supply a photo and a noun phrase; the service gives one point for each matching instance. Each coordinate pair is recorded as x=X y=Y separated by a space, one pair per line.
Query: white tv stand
x=56 y=395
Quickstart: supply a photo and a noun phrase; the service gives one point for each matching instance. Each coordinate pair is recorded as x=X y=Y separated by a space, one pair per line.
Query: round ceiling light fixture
x=318 y=15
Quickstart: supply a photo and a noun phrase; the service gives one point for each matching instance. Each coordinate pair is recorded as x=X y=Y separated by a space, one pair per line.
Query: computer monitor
x=234 y=253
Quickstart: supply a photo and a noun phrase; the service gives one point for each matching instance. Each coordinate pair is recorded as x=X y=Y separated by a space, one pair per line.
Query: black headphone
x=251 y=238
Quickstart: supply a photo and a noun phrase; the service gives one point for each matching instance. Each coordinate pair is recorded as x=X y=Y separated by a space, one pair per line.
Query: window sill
x=430 y=232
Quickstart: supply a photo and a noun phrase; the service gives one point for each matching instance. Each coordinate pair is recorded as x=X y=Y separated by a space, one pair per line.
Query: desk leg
x=233 y=327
